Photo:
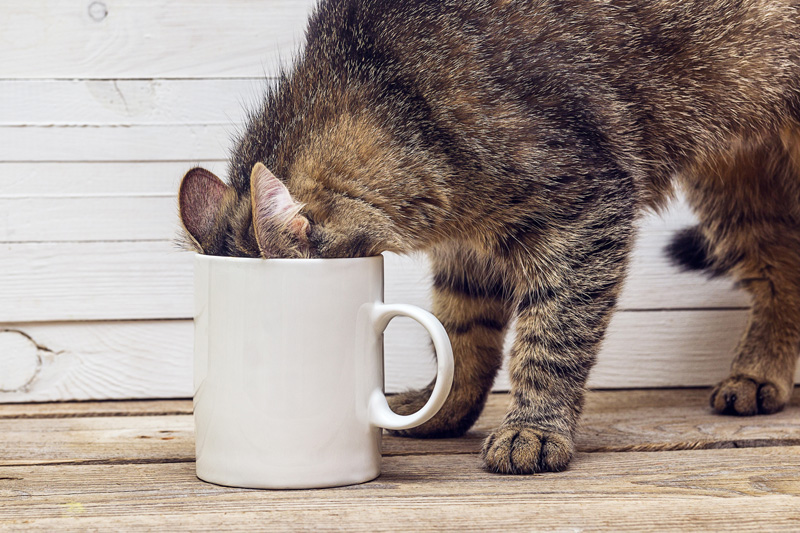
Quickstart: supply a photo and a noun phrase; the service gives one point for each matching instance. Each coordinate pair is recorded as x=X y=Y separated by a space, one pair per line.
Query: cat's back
x=707 y=45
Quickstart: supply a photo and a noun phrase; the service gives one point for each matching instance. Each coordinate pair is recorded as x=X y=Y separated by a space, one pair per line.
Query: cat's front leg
x=564 y=307
x=471 y=300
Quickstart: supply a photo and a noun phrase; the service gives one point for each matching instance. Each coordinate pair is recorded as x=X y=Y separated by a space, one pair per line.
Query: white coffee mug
x=289 y=371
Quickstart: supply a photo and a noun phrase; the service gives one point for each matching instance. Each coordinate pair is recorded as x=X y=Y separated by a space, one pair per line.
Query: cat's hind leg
x=471 y=301
x=748 y=203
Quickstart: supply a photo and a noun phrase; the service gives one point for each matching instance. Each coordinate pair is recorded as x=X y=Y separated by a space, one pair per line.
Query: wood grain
x=107 y=179
x=85 y=281
x=128 y=102
x=614 y=421
x=89 y=218
x=449 y=512
x=176 y=39
x=106 y=360
x=153 y=359
x=91 y=409
x=107 y=237
x=115 y=143
x=129 y=465
x=747 y=488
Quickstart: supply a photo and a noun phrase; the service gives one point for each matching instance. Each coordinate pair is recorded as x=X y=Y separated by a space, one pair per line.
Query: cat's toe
x=523 y=450
x=769 y=398
x=746 y=396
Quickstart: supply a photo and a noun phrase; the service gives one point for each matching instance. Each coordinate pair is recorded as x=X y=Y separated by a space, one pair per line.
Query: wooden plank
x=747 y=489
x=99 y=360
x=128 y=102
x=644 y=420
x=85 y=281
x=113 y=214
x=110 y=179
x=123 y=280
x=614 y=421
x=153 y=359
x=89 y=409
x=89 y=218
x=155 y=39
x=597 y=402
x=115 y=143
x=681 y=348
x=108 y=439
x=451 y=513
x=55 y=288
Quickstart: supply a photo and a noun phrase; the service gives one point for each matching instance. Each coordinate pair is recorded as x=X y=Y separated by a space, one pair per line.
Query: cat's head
x=219 y=220
x=266 y=220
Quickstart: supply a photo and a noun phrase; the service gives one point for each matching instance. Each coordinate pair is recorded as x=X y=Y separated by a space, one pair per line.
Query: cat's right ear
x=199 y=200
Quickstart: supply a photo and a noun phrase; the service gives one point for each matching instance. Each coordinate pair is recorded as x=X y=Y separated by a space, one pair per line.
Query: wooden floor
x=129 y=465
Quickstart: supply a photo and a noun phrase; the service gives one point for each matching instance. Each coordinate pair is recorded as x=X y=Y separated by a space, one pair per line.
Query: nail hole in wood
x=98 y=11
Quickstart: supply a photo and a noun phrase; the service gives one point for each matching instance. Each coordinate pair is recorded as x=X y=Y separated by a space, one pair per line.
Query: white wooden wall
x=104 y=106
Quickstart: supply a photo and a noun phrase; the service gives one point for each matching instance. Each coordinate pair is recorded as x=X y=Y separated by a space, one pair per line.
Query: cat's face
x=266 y=221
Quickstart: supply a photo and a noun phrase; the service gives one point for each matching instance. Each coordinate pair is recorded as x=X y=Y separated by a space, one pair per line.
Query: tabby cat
x=515 y=142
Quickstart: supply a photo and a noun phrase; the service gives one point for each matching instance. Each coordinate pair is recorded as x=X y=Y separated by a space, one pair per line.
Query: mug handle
x=379 y=412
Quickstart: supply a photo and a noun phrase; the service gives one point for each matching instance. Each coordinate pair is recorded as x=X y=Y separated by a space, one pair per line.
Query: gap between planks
x=146 y=432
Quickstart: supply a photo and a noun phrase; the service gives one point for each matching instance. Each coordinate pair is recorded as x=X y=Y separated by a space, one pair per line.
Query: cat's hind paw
x=452 y=420
x=517 y=449
x=745 y=396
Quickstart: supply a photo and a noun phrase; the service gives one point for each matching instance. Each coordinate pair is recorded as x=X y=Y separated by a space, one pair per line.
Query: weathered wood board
x=106 y=360
x=101 y=466
x=125 y=39
x=613 y=421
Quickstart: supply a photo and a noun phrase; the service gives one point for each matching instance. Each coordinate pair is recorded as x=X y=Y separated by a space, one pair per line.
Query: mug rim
x=278 y=260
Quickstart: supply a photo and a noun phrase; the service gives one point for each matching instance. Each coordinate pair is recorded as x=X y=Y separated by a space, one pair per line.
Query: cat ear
x=199 y=200
x=274 y=209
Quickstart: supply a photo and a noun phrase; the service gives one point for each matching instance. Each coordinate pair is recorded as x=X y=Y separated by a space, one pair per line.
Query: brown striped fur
x=515 y=142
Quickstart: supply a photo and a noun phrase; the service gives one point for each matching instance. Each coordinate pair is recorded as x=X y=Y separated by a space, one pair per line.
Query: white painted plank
x=148 y=39
x=103 y=360
x=126 y=280
x=89 y=281
x=128 y=102
x=90 y=218
x=146 y=359
x=70 y=179
x=641 y=349
x=44 y=281
x=115 y=143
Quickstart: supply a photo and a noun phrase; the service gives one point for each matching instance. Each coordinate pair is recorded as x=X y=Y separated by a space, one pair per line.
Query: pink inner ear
x=199 y=200
x=274 y=211
x=271 y=198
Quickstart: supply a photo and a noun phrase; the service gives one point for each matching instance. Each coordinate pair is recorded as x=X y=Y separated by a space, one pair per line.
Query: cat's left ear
x=199 y=201
x=274 y=210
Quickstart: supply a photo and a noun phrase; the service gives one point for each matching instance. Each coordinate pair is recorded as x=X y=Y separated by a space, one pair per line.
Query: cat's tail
x=689 y=249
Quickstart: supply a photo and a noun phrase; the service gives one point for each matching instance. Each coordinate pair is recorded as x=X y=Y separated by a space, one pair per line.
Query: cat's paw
x=523 y=450
x=746 y=396
x=407 y=403
x=452 y=420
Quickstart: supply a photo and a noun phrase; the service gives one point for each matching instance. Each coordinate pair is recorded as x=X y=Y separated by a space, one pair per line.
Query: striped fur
x=516 y=142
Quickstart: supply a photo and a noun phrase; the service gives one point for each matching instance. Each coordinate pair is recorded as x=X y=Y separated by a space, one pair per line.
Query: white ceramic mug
x=289 y=371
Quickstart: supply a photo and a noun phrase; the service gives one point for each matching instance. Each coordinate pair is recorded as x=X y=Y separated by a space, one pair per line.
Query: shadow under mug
x=288 y=371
